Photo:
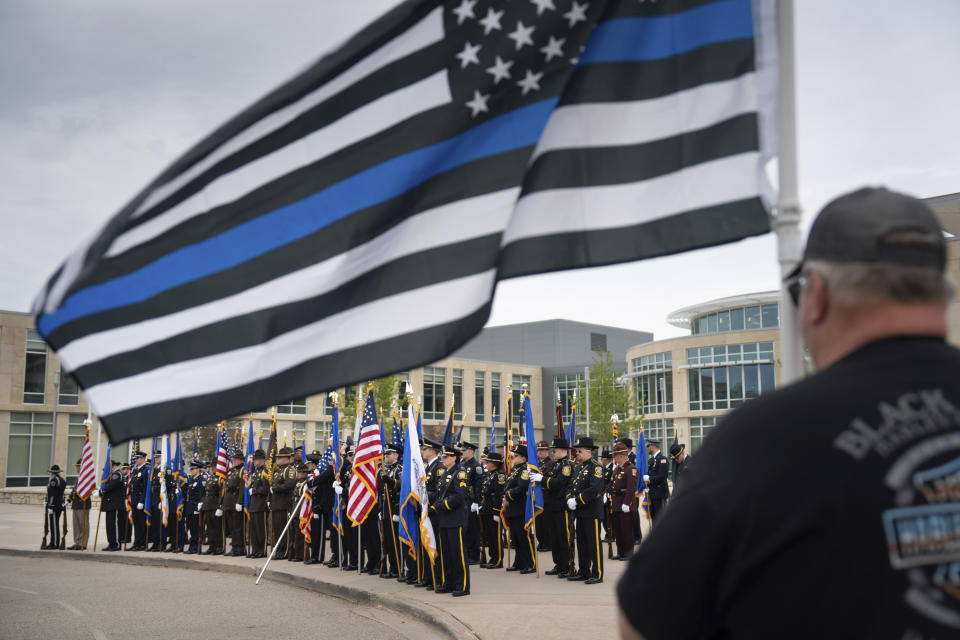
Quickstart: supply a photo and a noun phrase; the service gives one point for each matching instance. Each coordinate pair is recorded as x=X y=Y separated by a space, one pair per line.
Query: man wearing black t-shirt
x=850 y=524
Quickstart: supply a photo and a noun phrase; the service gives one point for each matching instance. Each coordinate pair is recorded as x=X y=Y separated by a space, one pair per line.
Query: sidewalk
x=500 y=604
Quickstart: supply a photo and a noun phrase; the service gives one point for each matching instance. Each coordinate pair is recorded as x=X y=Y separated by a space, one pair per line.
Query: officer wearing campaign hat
x=54 y=505
x=259 y=495
x=283 y=483
x=232 y=504
x=491 y=498
x=656 y=478
x=681 y=462
x=585 y=500
x=515 y=503
x=623 y=500
x=556 y=478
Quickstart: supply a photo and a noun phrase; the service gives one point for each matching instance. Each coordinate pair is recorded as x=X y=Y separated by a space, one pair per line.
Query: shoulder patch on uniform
x=524 y=474
x=597 y=471
x=566 y=470
x=462 y=475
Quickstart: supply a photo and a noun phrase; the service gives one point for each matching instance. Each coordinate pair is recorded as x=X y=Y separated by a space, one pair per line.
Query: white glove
x=496 y=518
x=337 y=488
x=271 y=490
x=396 y=518
x=536 y=477
x=475 y=507
x=64 y=505
x=218 y=512
x=572 y=504
x=239 y=507
x=625 y=508
x=197 y=512
x=646 y=478
x=50 y=510
x=605 y=498
x=336 y=483
x=316 y=516
x=139 y=506
x=316 y=473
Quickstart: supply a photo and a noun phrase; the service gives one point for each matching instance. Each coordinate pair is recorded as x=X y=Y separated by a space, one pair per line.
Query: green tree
x=609 y=394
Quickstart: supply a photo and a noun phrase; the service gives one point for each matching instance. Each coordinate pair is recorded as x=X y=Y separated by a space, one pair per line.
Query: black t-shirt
x=830 y=508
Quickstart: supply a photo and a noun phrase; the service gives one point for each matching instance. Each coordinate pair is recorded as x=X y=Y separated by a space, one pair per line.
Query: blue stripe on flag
x=514 y=130
x=655 y=38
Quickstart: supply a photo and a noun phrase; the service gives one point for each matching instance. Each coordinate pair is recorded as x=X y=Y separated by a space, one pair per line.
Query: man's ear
x=816 y=304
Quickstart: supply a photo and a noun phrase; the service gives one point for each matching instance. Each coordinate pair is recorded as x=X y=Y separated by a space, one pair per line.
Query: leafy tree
x=608 y=395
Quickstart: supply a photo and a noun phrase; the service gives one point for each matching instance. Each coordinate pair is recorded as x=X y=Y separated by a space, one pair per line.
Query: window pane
x=693 y=356
x=706 y=388
x=34 y=377
x=766 y=378
x=770 y=316
x=74 y=449
x=69 y=391
x=751 y=384
x=720 y=354
x=753 y=317
x=736 y=319
x=733 y=353
x=712 y=323
x=18 y=455
x=693 y=379
x=458 y=394
x=723 y=321
x=479 y=381
x=720 y=376
x=495 y=394
x=766 y=350
x=702 y=323
x=40 y=456
x=735 y=382
x=750 y=352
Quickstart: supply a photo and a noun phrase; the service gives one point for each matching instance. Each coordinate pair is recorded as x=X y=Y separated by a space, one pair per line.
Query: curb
x=446 y=623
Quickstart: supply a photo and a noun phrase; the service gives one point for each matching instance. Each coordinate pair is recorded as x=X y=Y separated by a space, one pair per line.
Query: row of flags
x=432 y=155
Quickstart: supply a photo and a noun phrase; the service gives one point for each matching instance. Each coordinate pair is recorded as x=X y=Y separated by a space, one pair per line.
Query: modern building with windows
x=686 y=384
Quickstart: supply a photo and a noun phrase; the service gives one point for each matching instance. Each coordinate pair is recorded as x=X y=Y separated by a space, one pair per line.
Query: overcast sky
x=98 y=96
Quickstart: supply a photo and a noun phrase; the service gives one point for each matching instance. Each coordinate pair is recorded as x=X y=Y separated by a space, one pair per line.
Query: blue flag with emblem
x=146 y=499
x=303 y=450
x=179 y=477
x=572 y=427
x=641 y=490
x=337 y=518
x=448 y=430
x=419 y=424
x=105 y=474
x=534 y=492
x=248 y=469
x=493 y=433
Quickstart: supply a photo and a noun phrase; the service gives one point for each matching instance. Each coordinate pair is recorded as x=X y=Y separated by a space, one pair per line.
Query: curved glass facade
x=757 y=316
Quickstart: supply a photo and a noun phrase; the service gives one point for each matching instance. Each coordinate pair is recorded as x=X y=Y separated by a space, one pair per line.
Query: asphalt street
x=43 y=598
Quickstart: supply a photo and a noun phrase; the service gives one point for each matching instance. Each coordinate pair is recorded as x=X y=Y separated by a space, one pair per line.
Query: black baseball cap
x=876 y=225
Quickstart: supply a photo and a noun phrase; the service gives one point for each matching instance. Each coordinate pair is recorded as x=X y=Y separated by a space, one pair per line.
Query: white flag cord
x=787 y=221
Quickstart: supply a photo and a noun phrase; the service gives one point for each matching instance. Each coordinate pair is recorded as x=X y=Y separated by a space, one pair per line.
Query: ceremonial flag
x=271 y=452
x=363 y=483
x=419 y=425
x=493 y=433
x=415 y=527
x=439 y=150
x=196 y=445
x=534 y=491
x=447 y=439
x=248 y=469
x=303 y=450
x=87 y=476
x=306 y=513
x=458 y=439
x=335 y=443
x=572 y=427
x=641 y=491
x=223 y=463
x=105 y=474
x=146 y=499
x=179 y=477
x=396 y=433
x=508 y=436
x=164 y=466
x=383 y=438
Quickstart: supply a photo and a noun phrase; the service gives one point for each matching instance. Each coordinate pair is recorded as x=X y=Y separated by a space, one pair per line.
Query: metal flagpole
x=787 y=221
x=296 y=512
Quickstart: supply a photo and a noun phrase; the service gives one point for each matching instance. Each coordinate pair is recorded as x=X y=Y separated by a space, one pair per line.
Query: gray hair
x=860 y=282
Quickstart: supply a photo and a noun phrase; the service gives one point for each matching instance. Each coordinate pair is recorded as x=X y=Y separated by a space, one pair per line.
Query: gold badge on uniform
x=524 y=475
x=597 y=471
x=462 y=475
x=566 y=470
x=502 y=479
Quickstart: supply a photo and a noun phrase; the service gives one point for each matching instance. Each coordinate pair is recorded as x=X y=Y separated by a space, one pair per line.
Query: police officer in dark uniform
x=430 y=450
x=212 y=515
x=555 y=480
x=349 y=536
x=193 y=496
x=515 y=503
x=232 y=504
x=544 y=462
x=491 y=499
x=125 y=517
x=656 y=478
x=606 y=461
x=471 y=465
x=55 y=506
x=323 y=503
x=388 y=495
x=449 y=510
x=138 y=495
x=585 y=499
x=111 y=503
x=259 y=494
x=681 y=462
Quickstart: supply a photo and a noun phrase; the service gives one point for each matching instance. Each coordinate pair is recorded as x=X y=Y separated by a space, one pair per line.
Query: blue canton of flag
x=395 y=434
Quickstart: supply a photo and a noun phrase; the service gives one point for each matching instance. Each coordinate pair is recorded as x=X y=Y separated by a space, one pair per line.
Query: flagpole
x=787 y=221
x=295 y=514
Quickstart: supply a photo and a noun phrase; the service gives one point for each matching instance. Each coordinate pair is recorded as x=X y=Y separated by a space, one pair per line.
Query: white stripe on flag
x=625 y=123
x=544 y=213
x=368 y=120
x=351 y=328
x=426 y=32
x=462 y=220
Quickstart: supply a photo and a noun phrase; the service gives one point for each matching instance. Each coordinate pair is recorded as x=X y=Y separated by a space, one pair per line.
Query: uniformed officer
x=584 y=497
x=471 y=465
x=388 y=489
x=544 y=534
x=55 y=505
x=515 y=503
x=111 y=503
x=125 y=517
x=212 y=516
x=606 y=461
x=193 y=495
x=316 y=522
x=81 y=516
x=555 y=480
x=450 y=509
x=681 y=462
x=656 y=478
x=324 y=502
x=623 y=499
x=281 y=491
x=429 y=450
x=138 y=495
x=491 y=499
x=232 y=504
x=297 y=539
x=349 y=534
x=156 y=510
x=259 y=494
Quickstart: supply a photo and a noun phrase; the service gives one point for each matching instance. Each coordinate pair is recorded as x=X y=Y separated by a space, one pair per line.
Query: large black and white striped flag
x=355 y=221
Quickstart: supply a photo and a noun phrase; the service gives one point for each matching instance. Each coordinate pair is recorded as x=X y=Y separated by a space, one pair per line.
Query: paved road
x=42 y=598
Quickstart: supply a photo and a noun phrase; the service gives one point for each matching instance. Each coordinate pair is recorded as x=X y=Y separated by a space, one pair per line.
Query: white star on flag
x=500 y=70
x=491 y=21
x=465 y=10
x=543 y=5
x=554 y=48
x=577 y=13
x=469 y=54
x=479 y=103
x=531 y=82
x=521 y=35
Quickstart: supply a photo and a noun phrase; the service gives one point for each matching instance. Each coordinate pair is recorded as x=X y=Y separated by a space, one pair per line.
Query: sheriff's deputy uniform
x=584 y=497
x=54 y=505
